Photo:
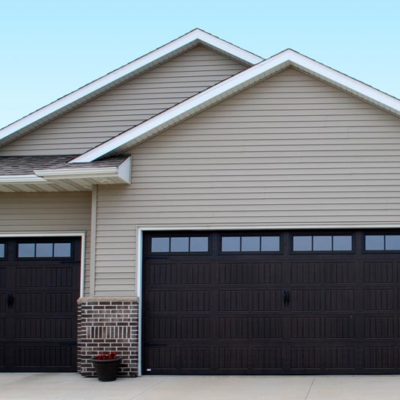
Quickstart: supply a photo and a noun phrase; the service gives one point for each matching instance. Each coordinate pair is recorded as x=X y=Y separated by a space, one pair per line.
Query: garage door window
x=179 y=244
x=44 y=250
x=245 y=244
x=322 y=243
x=2 y=250
x=382 y=243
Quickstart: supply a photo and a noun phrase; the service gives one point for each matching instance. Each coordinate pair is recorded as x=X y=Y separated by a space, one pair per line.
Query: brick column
x=108 y=324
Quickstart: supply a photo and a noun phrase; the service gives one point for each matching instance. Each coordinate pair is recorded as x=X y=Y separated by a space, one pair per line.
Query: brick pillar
x=108 y=324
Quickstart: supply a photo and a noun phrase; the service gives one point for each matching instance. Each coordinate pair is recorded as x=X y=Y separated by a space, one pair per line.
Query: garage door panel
x=234 y=358
x=380 y=299
x=3 y=277
x=182 y=327
x=178 y=273
x=250 y=273
x=309 y=327
x=378 y=358
x=256 y=300
x=306 y=358
x=60 y=277
x=58 y=328
x=380 y=271
x=339 y=359
x=339 y=327
x=196 y=358
x=179 y=301
x=59 y=302
x=3 y=303
x=28 y=302
x=339 y=272
x=35 y=357
x=306 y=299
x=381 y=327
x=269 y=359
x=242 y=327
x=306 y=272
x=340 y=300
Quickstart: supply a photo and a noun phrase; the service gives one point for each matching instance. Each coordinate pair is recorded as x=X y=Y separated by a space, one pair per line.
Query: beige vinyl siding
x=128 y=104
x=46 y=213
x=290 y=151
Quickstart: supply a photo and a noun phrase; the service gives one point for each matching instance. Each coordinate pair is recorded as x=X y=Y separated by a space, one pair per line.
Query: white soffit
x=129 y=70
x=233 y=85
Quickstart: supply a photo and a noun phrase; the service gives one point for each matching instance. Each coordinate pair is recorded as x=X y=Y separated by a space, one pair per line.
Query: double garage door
x=271 y=303
x=39 y=286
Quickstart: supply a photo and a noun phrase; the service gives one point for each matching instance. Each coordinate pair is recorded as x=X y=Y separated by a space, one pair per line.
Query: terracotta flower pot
x=107 y=370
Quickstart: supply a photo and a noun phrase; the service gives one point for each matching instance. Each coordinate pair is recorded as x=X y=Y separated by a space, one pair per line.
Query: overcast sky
x=50 y=48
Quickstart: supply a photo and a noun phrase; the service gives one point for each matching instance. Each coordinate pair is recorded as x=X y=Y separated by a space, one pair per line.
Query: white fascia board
x=121 y=172
x=345 y=82
x=233 y=85
x=156 y=56
x=21 y=179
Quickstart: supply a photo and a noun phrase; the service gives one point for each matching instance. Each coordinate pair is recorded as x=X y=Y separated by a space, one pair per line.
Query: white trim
x=82 y=235
x=139 y=262
x=129 y=70
x=139 y=254
x=122 y=172
x=93 y=236
x=232 y=85
x=25 y=179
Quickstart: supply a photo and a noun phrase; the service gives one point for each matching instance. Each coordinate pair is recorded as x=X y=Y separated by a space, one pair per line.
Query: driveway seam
x=309 y=389
x=147 y=389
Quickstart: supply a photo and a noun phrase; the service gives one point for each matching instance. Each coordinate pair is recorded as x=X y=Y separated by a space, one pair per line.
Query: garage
x=285 y=302
x=39 y=286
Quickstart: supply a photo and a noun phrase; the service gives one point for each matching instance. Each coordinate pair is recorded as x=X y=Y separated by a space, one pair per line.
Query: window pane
x=322 y=243
x=62 y=249
x=160 y=245
x=342 y=243
x=199 y=244
x=374 y=242
x=302 y=243
x=2 y=250
x=26 y=250
x=180 y=244
x=44 y=249
x=231 y=243
x=250 y=243
x=392 y=242
x=270 y=243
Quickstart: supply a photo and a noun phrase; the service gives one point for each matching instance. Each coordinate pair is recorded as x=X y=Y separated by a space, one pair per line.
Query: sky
x=50 y=48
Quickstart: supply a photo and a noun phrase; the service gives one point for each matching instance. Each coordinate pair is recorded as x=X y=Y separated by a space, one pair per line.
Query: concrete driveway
x=56 y=386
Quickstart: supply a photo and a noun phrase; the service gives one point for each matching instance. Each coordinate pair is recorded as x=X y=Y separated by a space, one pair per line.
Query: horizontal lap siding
x=46 y=213
x=289 y=151
x=127 y=105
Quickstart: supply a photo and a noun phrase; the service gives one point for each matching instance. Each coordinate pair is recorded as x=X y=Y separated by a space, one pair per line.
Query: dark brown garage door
x=39 y=286
x=271 y=303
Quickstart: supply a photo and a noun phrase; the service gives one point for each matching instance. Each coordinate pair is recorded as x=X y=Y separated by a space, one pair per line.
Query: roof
x=55 y=173
x=128 y=71
x=233 y=85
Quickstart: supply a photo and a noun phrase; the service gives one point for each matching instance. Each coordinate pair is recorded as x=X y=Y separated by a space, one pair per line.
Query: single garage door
x=39 y=286
x=271 y=302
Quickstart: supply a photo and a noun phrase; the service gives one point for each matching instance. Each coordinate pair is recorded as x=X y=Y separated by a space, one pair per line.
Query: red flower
x=107 y=356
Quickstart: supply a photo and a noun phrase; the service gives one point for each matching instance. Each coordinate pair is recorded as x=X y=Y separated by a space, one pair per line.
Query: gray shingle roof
x=25 y=165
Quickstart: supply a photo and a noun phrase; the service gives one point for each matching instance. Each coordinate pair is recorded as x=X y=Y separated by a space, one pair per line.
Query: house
x=202 y=210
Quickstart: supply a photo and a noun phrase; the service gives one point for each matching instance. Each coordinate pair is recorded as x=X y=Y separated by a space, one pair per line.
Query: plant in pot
x=106 y=366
